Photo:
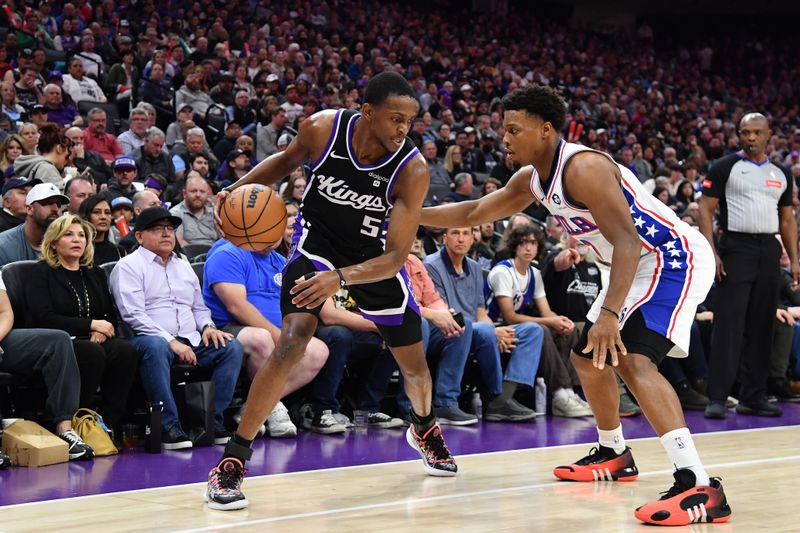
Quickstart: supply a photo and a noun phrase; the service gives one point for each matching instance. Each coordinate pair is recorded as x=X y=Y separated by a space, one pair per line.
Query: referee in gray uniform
x=754 y=197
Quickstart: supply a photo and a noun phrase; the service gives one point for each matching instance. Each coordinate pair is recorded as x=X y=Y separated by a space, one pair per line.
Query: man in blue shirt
x=242 y=289
x=460 y=282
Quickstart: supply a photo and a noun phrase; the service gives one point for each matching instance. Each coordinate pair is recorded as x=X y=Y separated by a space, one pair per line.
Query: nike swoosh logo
x=333 y=155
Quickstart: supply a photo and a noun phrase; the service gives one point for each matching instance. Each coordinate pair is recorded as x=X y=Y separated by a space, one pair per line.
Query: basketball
x=253 y=217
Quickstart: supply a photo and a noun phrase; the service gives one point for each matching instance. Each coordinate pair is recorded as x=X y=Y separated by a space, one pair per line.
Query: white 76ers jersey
x=676 y=268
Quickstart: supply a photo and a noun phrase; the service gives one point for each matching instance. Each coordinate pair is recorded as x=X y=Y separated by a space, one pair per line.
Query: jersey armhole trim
x=331 y=139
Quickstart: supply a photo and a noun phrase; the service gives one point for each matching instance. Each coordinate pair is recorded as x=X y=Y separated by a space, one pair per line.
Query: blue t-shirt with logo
x=259 y=273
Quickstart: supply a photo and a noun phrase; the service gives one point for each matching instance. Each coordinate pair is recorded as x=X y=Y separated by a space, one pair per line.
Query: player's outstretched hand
x=603 y=337
x=221 y=197
x=313 y=289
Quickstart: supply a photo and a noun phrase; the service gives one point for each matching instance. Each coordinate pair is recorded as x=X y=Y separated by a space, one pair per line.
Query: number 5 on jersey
x=371 y=226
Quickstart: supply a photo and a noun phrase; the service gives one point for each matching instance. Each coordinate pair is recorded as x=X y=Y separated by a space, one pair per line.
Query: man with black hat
x=15 y=190
x=171 y=322
x=237 y=165
x=43 y=205
x=38 y=115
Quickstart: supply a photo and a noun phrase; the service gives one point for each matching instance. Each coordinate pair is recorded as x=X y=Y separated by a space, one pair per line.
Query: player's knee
x=292 y=344
x=634 y=367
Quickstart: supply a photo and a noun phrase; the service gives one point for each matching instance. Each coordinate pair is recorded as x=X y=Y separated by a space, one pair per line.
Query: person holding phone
x=446 y=337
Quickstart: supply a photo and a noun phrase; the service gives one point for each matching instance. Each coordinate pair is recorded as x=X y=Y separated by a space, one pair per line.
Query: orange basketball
x=253 y=217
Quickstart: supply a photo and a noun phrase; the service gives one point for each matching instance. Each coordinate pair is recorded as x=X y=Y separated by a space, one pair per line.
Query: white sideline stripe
x=414 y=501
x=337 y=468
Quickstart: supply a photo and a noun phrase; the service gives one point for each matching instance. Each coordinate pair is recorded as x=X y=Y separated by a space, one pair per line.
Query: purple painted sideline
x=135 y=469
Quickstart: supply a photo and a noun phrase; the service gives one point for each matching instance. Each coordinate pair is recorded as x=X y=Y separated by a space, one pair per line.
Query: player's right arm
x=309 y=142
x=504 y=202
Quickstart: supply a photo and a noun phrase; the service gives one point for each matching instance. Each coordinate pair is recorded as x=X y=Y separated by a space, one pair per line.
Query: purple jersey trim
x=334 y=131
x=397 y=171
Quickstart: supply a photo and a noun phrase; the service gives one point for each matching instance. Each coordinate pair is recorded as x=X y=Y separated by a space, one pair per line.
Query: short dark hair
x=538 y=100
x=387 y=84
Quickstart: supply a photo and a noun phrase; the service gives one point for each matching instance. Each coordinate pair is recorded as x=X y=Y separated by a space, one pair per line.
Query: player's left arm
x=594 y=181
x=409 y=192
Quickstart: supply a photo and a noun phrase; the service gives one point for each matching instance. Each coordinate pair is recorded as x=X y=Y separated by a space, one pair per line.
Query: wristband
x=342 y=282
x=604 y=308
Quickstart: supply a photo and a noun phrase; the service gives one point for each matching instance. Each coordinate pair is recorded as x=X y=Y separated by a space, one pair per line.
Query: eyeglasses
x=162 y=228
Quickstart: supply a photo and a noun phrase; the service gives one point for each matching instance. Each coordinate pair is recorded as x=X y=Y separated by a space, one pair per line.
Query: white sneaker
x=581 y=401
x=279 y=424
x=570 y=405
x=238 y=418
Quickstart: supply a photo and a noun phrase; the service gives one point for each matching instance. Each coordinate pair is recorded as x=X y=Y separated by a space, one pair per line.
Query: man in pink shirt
x=98 y=140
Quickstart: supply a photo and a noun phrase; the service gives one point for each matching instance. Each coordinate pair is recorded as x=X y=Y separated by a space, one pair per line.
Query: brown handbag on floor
x=89 y=427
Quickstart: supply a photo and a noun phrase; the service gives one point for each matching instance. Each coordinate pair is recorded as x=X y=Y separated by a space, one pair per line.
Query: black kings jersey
x=346 y=202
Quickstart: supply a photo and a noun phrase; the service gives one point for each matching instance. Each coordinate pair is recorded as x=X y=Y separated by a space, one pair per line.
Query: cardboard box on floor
x=29 y=444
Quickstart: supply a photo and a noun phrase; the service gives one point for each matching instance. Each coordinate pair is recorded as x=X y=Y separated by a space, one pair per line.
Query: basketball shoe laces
x=681 y=485
x=434 y=444
x=229 y=477
x=596 y=455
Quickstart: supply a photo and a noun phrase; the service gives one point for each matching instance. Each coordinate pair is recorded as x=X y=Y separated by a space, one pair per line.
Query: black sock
x=422 y=423
x=238 y=448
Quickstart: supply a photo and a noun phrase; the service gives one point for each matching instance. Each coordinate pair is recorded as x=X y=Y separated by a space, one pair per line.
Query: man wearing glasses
x=159 y=297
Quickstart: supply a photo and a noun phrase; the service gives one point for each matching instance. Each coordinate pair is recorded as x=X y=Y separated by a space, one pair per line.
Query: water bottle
x=153 y=429
x=540 y=396
x=477 y=404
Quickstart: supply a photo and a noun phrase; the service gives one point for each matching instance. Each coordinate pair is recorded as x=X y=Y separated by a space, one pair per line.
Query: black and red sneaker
x=602 y=464
x=436 y=457
x=224 y=490
x=684 y=503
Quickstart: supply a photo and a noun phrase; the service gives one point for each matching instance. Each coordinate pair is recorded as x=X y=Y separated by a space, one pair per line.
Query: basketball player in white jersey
x=661 y=269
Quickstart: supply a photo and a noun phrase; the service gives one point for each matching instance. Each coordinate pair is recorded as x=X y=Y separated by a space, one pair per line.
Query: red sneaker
x=685 y=503
x=602 y=464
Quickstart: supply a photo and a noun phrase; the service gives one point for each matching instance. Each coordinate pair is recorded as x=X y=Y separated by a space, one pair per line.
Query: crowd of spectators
x=127 y=106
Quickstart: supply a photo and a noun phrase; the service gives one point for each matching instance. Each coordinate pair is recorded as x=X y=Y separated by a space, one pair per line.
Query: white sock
x=612 y=438
x=683 y=454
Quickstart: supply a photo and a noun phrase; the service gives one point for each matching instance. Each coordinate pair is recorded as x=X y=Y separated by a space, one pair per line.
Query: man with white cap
x=43 y=205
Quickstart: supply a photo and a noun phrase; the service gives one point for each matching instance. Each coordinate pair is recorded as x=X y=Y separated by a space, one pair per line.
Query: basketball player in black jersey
x=363 y=166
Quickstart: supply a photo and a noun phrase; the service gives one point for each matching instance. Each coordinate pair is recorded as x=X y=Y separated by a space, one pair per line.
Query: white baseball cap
x=43 y=191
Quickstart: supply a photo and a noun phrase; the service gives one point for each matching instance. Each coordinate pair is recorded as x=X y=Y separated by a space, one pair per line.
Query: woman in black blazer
x=68 y=293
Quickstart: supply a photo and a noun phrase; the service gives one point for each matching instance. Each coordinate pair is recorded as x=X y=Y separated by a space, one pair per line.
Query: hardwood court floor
x=503 y=491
